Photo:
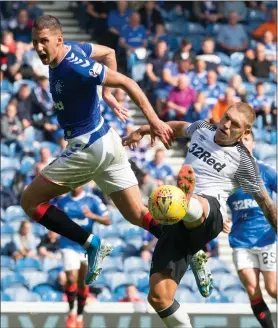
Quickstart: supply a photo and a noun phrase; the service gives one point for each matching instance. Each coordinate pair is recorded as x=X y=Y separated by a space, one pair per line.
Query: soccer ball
x=168 y=205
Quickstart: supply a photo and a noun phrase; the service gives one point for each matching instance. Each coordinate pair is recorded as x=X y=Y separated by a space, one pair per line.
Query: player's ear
x=60 y=40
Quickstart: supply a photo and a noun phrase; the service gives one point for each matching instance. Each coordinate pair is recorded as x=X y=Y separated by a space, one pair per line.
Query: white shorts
x=97 y=155
x=72 y=259
x=263 y=258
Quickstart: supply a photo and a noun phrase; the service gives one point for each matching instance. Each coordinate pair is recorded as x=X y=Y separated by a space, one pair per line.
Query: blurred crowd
x=192 y=59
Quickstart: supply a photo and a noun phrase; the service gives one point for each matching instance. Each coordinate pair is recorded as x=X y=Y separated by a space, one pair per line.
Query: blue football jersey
x=250 y=227
x=73 y=85
x=73 y=206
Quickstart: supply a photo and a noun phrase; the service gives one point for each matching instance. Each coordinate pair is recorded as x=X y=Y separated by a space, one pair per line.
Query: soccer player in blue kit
x=84 y=209
x=94 y=150
x=254 y=242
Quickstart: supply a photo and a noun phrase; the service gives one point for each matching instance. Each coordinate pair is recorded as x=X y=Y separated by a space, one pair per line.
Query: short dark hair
x=258 y=84
x=47 y=22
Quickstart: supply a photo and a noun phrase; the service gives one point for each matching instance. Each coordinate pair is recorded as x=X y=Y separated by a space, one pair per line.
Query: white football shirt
x=220 y=170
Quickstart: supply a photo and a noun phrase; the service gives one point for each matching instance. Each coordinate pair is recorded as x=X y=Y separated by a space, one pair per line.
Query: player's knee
x=253 y=291
x=159 y=301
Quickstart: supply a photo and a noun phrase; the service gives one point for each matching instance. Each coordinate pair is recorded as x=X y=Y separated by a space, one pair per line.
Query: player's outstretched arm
x=132 y=139
x=157 y=127
x=267 y=206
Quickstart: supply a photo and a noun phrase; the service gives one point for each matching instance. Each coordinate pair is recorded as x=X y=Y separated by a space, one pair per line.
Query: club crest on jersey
x=201 y=153
x=95 y=70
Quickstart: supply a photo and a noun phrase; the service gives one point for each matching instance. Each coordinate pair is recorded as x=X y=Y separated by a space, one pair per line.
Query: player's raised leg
x=251 y=282
x=35 y=203
x=161 y=298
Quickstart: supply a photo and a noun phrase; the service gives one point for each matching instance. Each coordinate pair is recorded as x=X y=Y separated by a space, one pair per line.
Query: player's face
x=231 y=128
x=248 y=142
x=46 y=43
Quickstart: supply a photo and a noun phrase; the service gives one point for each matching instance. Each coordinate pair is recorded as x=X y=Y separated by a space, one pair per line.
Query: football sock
x=82 y=295
x=152 y=226
x=175 y=317
x=262 y=313
x=56 y=220
x=71 y=292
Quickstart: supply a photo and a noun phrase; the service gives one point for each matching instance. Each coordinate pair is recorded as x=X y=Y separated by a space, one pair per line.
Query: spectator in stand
x=7 y=47
x=150 y=16
x=22 y=29
x=15 y=62
x=270 y=46
x=262 y=105
x=199 y=110
x=145 y=254
x=184 y=51
x=208 y=12
x=24 y=105
x=232 y=36
x=116 y=20
x=11 y=126
x=33 y=10
x=160 y=34
x=147 y=185
x=211 y=89
x=131 y=295
x=258 y=68
x=179 y=100
x=208 y=55
x=122 y=128
x=158 y=169
x=7 y=197
x=24 y=243
x=45 y=158
x=223 y=104
x=50 y=246
x=199 y=76
x=41 y=97
x=270 y=25
x=154 y=65
x=235 y=82
x=237 y=6
x=133 y=41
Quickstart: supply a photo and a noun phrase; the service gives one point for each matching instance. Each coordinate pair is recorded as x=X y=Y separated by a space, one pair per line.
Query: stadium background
x=31 y=136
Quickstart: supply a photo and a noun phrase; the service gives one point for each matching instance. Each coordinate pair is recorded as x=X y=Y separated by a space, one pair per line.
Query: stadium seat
x=17 y=292
x=7 y=177
x=264 y=150
x=107 y=231
x=118 y=246
x=3 y=214
x=13 y=280
x=188 y=281
x=105 y=296
x=27 y=165
x=16 y=224
x=143 y=284
x=196 y=41
x=5 y=242
x=237 y=296
x=5 y=150
x=7 y=263
x=133 y=232
x=9 y=163
x=112 y=264
x=6 y=229
x=115 y=215
x=137 y=277
x=5 y=98
x=137 y=242
x=5 y=297
x=225 y=281
x=216 y=265
x=102 y=281
x=217 y=297
x=14 y=212
x=38 y=230
x=195 y=28
x=49 y=264
x=47 y=293
x=185 y=295
x=53 y=276
x=135 y=264
x=28 y=264
x=34 y=278
x=117 y=280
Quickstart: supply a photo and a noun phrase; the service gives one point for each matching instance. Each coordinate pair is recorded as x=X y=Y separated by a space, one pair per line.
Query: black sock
x=71 y=292
x=262 y=313
x=56 y=220
x=154 y=227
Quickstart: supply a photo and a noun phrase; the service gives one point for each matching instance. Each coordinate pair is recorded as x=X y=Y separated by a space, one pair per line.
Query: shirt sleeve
x=88 y=48
x=271 y=177
x=190 y=129
x=247 y=175
x=87 y=68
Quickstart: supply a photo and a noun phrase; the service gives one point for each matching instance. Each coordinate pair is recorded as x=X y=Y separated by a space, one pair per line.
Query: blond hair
x=248 y=112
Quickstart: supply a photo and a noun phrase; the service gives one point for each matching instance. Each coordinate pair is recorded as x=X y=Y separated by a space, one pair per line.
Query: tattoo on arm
x=268 y=207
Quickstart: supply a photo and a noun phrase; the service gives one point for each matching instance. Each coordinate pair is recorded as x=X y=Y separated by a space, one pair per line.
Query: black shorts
x=177 y=245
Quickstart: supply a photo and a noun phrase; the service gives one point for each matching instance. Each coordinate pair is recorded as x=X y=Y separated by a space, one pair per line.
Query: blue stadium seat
x=107 y=231
x=217 y=297
x=9 y=163
x=6 y=229
x=216 y=265
x=135 y=264
x=137 y=242
x=213 y=29
x=15 y=212
x=5 y=150
x=23 y=295
x=13 y=280
x=5 y=98
x=106 y=296
x=143 y=284
x=3 y=214
x=264 y=150
x=270 y=89
x=5 y=242
x=138 y=277
x=38 y=229
x=34 y=278
x=47 y=293
x=185 y=295
x=188 y=281
x=118 y=245
x=115 y=216
x=17 y=293
x=112 y=264
x=102 y=281
x=132 y=232
x=237 y=296
x=117 y=280
x=5 y=297
x=49 y=264
x=27 y=164
x=196 y=41
x=255 y=16
x=53 y=276
x=7 y=263
x=250 y=88
x=7 y=177
x=225 y=281
x=16 y=224
x=28 y=264
x=195 y=28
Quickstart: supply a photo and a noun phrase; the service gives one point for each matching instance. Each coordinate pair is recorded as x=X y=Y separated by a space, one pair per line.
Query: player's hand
x=120 y=111
x=163 y=131
x=132 y=140
x=86 y=211
x=227 y=226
